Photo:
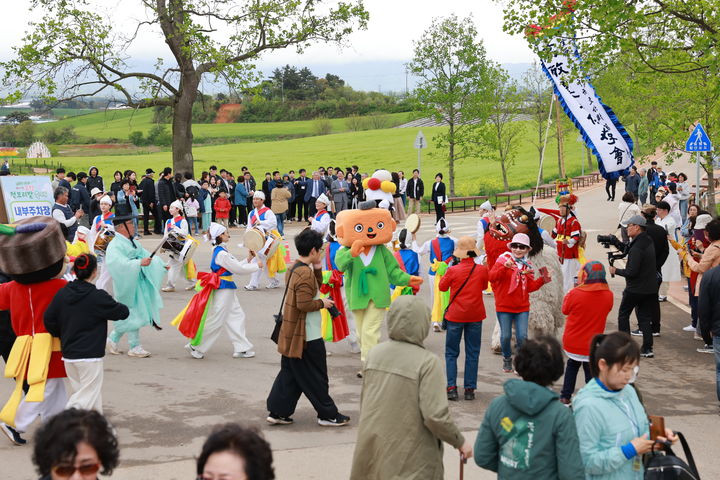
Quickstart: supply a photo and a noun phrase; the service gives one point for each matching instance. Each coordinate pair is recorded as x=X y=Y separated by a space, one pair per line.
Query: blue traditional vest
x=256 y=216
x=105 y=218
x=330 y=253
x=173 y=222
x=226 y=281
x=411 y=260
x=447 y=246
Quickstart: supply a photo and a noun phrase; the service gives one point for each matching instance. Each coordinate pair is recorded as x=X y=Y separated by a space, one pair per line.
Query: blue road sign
x=698 y=141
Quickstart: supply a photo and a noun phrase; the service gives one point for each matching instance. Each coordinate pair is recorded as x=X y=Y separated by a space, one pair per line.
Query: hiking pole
x=463 y=461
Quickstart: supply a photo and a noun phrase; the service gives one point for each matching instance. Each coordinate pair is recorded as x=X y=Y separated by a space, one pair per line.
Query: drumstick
x=156 y=249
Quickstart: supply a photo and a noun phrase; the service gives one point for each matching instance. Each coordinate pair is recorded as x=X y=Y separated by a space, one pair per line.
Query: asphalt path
x=165 y=405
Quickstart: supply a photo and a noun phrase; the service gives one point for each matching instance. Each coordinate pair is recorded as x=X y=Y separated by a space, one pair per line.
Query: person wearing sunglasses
x=75 y=445
x=512 y=281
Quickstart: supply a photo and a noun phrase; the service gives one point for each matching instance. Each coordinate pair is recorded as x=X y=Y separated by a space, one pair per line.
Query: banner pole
x=542 y=152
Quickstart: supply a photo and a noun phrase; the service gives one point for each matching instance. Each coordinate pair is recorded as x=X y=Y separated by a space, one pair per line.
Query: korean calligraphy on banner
x=600 y=128
x=26 y=196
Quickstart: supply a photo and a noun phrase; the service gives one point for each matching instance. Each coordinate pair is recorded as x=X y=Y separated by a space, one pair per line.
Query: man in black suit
x=415 y=190
x=166 y=194
x=438 y=197
x=148 y=198
x=315 y=188
x=300 y=188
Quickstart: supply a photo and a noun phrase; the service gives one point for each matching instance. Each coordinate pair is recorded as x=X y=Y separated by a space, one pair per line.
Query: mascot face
x=511 y=222
x=374 y=226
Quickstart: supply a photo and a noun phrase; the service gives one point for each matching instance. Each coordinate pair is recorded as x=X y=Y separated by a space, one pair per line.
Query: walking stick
x=463 y=460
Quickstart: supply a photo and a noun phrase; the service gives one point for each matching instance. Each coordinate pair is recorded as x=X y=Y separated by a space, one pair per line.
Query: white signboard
x=26 y=196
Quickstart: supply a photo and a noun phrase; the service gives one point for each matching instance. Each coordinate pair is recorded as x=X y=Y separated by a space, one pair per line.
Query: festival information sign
x=26 y=196
x=598 y=124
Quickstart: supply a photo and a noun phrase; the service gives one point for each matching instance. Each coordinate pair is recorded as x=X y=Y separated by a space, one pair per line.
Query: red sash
x=438 y=252
x=256 y=216
x=209 y=281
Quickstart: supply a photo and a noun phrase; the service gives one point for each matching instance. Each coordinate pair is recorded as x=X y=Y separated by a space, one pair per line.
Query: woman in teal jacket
x=611 y=422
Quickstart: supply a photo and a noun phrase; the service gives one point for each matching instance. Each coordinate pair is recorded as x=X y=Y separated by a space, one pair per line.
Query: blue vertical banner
x=599 y=126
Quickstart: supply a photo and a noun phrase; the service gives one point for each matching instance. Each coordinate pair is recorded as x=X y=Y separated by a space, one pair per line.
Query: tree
x=74 y=52
x=25 y=133
x=17 y=117
x=453 y=73
x=501 y=133
x=657 y=42
x=537 y=93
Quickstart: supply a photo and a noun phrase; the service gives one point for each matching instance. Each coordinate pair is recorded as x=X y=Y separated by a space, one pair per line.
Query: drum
x=263 y=245
x=547 y=223
x=412 y=223
x=180 y=246
x=102 y=241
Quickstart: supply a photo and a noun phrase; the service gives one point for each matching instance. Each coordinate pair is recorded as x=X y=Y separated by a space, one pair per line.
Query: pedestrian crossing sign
x=698 y=141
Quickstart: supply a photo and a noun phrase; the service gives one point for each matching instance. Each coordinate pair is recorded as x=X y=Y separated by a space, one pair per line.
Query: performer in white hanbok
x=264 y=220
x=179 y=226
x=671 y=268
x=100 y=230
x=321 y=221
x=217 y=302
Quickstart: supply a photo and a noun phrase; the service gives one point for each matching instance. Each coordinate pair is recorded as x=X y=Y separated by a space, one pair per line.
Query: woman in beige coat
x=404 y=415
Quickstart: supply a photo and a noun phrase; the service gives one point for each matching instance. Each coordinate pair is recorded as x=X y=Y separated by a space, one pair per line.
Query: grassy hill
x=389 y=148
x=58 y=112
x=118 y=124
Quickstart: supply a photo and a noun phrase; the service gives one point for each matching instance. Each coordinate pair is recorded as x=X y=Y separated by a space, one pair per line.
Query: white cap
x=104 y=199
x=486 y=205
x=177 y=204
x=259 y=194
x=323 y=199
x=95 y=191
x=442 y=226
x=82 y=230
x=702 y=220
x=215 y=230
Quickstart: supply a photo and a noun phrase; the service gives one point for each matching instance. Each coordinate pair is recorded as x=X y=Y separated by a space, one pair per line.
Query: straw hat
x=464 y=246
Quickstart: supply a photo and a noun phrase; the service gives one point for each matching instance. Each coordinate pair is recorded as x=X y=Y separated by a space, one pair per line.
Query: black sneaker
x=339 y=421
x=647 y=354
x=273 y=419
x=706 y=349
x=469 y=394
x=636 y=333
x=12 y=434
x=452 y=394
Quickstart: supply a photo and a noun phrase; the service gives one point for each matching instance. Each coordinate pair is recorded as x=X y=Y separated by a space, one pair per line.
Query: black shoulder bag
x=444 y=320
x=668 y=466
x=275 y=335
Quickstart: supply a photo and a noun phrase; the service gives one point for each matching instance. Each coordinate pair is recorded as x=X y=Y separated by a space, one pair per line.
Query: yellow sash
x=276 y=263
x=32 y=355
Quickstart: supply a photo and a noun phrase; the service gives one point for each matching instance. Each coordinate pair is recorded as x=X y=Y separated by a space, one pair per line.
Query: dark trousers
x=242 y=214
x=643 y=304
x=302 y=210
x=610 y=188
x=655 y=322
x=306 y=375
x=652 y=199
x=292 y=208
x=147 y=212
x=310 y=205
x=571 y=370
x=233 y=214
x=163 y=216
x=439 y=213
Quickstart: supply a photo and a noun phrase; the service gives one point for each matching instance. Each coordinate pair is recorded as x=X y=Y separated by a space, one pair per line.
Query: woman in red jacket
x=465 y=313
x=512 y=281
x=587 y=307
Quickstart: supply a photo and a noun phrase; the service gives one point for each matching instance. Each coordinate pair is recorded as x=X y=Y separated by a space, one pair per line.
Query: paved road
x=164 y=406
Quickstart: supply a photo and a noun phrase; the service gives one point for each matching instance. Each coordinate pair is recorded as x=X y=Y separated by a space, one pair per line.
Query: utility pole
x=560 y=143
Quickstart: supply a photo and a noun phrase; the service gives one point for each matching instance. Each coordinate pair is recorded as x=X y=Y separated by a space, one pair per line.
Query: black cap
x=149 y=171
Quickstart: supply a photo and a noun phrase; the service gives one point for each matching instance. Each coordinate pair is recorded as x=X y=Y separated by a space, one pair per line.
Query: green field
x=390 y=148
x=118 y=124
x=58 y=112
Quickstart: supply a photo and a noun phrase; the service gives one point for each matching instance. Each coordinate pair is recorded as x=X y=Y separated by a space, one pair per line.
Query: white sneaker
x=436 y=327
x=194 y=352
x=354 y=347
x=168 y=289
x=250 y=288
x=138 y=352
x=247 y=354
x=689 y=328
x=112 y=347
x=273 y=284
x=190 y=287
x=662 y=298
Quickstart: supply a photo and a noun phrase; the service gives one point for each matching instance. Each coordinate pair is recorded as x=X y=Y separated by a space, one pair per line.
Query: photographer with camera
x=641 y=285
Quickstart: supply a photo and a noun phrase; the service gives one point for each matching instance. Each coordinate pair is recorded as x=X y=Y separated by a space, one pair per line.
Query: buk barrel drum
x=547 y=223
x=102 y=241
x=260 y=243
x=412 y=223
x=180 y=246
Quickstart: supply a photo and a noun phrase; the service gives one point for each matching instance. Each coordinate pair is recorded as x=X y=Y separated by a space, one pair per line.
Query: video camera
x=611 y=240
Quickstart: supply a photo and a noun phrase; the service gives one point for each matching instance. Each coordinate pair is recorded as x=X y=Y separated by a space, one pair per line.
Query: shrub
x=355 y=123
x=377 y=121
x=137 y=138
x=159 y=136
x=322 y=126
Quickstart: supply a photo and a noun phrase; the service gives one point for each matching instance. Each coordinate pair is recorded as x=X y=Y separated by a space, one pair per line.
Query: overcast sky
x=393 y=25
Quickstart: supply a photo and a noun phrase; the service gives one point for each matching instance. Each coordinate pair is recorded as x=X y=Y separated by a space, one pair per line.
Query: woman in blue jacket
x=611 y=422
x=241 y=195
